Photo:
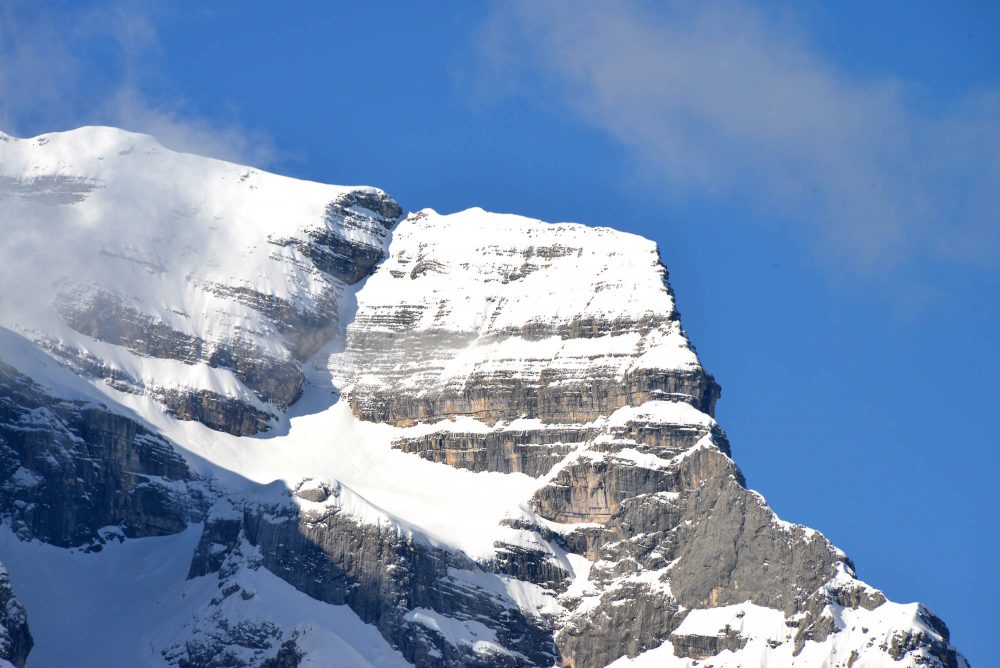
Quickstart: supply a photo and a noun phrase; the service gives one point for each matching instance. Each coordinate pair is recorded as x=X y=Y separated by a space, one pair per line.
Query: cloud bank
x=66 y=66
x=721 y=100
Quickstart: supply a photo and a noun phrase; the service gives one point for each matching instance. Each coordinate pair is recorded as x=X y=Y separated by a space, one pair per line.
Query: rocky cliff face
x=15 y=638
x=70 y=469
x=316 y=539
x=480 y=439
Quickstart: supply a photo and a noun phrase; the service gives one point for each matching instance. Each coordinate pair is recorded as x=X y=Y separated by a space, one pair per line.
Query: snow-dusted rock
x=502 y=317
x=15 y=638
x=481 y=439
x=198 y=282
x=70 y=468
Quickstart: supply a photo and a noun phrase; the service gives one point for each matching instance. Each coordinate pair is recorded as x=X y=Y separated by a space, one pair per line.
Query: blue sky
x=822 y=181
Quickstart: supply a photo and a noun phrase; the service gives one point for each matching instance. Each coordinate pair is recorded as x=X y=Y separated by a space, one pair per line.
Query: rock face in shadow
x=414 y=593
x=303 y=330
x=333 y=247
x=15 y=638
x=68 y=469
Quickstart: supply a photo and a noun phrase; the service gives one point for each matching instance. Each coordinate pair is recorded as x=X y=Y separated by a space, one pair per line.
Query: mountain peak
x=308 y=426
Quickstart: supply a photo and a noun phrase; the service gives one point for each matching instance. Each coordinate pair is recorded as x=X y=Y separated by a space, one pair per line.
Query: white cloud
x=130 y=110
x=724 y=100
x=64 y=68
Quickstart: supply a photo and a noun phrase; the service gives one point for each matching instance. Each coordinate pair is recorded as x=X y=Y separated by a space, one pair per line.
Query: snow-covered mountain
x=247 y=420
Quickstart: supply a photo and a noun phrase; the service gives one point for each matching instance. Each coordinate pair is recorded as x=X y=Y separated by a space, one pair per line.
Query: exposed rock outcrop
x=703 y=647
x=410 y=590
x=15 y=638
x=530 y=451
x=106 y=317
x=234 y=415
x=333 y=246
x=263 y=337
x=68 y=469
x=553 y=398
x=631 y=465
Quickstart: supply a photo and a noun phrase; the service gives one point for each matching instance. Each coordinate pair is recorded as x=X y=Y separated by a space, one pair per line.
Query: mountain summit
x=247 y=420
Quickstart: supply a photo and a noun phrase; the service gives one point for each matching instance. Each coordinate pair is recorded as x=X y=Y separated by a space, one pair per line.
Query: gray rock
x=533 y=452
x=15 y=638
x=904 y=643
x=494 y=397
x=305 y=330
x=329 y=245
x=733 y=551
x=70 y=468
x=216 y=411
x=703 y=647
x=627 y=621
x=383 y=574
x=48 y=188
x=107 y=317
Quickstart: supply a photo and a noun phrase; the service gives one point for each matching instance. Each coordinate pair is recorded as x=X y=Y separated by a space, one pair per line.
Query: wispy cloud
x=65 y=67
x=175 y=129
x=724 y=100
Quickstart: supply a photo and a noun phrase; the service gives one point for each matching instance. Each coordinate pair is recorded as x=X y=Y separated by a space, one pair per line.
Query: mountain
x=247 y=420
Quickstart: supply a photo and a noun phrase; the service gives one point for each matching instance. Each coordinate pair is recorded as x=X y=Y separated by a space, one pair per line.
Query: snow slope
x=122 y=605
x=156 y=224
